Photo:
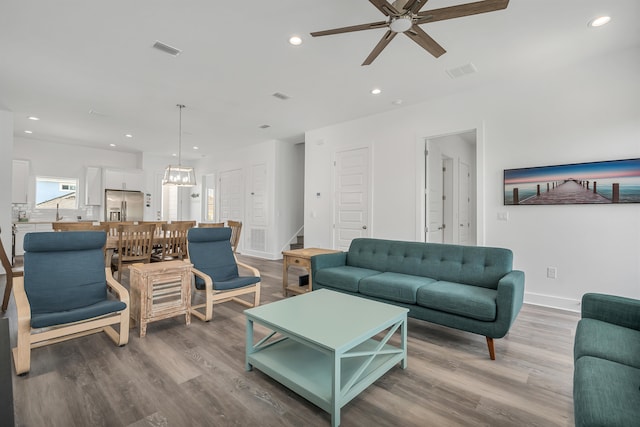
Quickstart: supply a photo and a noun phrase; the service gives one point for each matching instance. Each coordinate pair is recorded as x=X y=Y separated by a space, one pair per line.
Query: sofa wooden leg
x=492 y=352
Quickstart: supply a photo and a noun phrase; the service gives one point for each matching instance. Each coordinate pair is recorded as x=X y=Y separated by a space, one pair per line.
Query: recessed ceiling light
x=174 y=155
x=128 y=135
x=599 y=21
x=33 y=118
x=195 y=147
x=27 y=131
x=376 y=91
x=295 y=40
x=397 y=102
x=112 y=145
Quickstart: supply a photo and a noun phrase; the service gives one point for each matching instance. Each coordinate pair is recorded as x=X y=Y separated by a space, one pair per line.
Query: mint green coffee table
x=323 y=345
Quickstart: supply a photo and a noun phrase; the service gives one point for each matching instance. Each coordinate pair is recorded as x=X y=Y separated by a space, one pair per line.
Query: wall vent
x=166 y=48
x=258 y=239
x=462 y=70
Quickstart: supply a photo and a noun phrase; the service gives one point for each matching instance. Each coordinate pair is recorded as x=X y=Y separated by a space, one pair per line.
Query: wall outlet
x=552 y=272
x=503 y=216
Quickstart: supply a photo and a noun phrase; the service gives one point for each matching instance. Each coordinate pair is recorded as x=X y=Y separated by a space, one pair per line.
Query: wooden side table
x=299 y=258
x=159 y=291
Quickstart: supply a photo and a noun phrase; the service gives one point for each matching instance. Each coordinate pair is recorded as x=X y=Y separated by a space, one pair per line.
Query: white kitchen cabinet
x=124 y=179
x=20 y=181
x=24 y=228
x=93 y=186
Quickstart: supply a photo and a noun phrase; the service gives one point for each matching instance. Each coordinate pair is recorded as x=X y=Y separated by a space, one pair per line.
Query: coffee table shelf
x=327 y=346
x=304 y=369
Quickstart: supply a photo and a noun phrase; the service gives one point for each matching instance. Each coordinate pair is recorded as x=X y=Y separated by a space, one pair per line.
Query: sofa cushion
x=607 y=341
x=605 y=393
x=344 y=277
x=393 y=286
x=475 y=265
x=464 y=300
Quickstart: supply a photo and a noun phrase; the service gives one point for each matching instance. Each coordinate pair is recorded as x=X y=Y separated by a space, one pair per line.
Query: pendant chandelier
x=182 y=176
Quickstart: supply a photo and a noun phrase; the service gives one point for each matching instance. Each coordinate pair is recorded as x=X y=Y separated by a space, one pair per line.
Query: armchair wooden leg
x=256 y=298
x=492 y=352
x=22 y=352
x=7 y=292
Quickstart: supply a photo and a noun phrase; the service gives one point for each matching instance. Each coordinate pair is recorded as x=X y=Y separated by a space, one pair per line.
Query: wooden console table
x=299 y=258
x=159 y=291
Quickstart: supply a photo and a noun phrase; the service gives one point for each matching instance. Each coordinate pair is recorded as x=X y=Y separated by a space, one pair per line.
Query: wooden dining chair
x=10 y=273
x=210 y=224
x=190 y=223
x=174 y=242
x=113 y=226
x=135 y=243
x=236 y=228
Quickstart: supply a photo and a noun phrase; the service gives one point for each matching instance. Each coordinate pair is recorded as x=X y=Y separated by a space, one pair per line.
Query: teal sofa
x=470 y=288
x=606 y=377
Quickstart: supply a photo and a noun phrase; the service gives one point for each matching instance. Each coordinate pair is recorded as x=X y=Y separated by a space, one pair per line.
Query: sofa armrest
x=613 y=309
x=509 y=300
x=336 y=259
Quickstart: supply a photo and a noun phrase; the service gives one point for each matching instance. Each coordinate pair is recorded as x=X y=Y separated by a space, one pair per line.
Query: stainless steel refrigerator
x=121 y=205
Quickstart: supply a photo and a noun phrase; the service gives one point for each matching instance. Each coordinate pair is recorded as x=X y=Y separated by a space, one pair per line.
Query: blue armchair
x=216 y=271
x=63 y=293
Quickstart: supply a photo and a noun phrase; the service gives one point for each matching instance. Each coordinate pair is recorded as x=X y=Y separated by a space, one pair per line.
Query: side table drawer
x=300 y=262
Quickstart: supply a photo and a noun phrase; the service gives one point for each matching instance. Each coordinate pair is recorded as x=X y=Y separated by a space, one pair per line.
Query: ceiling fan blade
x=414 y=6
x=461 y=10
x=385 y=7
x=370 y=26
x=384 y=41
x=425 y=41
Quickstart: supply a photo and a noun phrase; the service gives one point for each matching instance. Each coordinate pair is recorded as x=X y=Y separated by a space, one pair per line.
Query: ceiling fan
x=404 y=16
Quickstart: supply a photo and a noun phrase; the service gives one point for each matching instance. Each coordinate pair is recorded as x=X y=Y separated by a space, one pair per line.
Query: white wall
x=289 y=200
x=279 y=158
x=6 y=166
x=585 y=112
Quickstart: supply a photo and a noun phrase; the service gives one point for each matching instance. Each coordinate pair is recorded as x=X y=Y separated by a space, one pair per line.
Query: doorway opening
x=450 y=198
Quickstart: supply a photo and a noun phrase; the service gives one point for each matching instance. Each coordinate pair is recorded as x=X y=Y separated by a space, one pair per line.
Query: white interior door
x=434 y=194
x=464 y=203
x=351 y=205
x=230 y=190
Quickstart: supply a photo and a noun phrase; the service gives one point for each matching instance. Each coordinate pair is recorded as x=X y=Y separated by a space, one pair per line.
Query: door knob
x=364 y=227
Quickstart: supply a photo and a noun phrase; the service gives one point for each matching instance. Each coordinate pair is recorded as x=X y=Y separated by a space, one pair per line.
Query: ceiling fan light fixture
x=401 y=24
x=181 y=176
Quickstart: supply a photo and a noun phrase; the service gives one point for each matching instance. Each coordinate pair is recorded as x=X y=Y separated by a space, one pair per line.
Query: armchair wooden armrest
x=253 y=270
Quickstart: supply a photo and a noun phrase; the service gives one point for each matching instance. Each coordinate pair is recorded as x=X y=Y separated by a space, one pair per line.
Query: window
x=209 y=204
x=56 y=193
x=170 y=203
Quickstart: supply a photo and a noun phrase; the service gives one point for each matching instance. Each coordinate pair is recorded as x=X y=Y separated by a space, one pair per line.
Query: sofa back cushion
x=473 y=265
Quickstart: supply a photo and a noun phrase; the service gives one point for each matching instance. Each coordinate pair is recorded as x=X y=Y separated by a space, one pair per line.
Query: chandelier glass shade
x=182 y=176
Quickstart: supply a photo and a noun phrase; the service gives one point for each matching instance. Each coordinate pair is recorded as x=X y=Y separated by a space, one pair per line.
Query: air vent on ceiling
x=166 y=48
x=265 y=126
x=462 y=70
x=281 y=96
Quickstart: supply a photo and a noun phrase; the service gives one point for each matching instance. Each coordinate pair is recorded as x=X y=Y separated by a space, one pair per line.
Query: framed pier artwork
x=612 y=181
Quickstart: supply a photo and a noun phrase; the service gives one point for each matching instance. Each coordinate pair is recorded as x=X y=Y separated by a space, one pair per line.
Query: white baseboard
x=552 y=301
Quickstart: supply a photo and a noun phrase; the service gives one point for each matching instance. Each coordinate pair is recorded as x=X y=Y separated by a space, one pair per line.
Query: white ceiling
x=59 y=60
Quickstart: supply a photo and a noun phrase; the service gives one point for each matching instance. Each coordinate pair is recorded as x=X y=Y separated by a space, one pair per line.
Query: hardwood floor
x=194 y=375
